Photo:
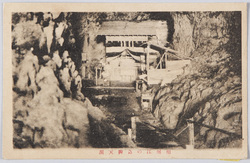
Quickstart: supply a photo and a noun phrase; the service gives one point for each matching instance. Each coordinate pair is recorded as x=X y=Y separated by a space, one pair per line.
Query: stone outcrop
x=49 y=109
x=210 y=89
x=48 y=119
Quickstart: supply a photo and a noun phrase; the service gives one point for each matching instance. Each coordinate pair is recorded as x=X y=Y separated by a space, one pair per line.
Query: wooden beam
x=180 y=131
x=172 y=51
x=127 y=38
x=176 y=139
x=166 y=59
x=147 y=58
x=160 y=60
x=216 y=129
x=191 y=134
x=96 y=76
x=166 y=49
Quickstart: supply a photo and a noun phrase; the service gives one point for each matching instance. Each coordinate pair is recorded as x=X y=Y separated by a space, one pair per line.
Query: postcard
x=125 y=80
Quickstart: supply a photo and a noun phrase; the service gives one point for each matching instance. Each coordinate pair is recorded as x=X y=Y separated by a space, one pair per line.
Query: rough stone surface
x=210 y=89
x=49 y=109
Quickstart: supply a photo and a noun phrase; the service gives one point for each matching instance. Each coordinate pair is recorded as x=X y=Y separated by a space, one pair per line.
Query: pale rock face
x=48 y=31
x=161 y=33
x=74 y=74
x=47 y=118
x=61 y=41
x=55 y=14
x=59 y=31
x=171 y=110
x=75 y=122
x=56 y=58
x=72 y=68
x=65 y=55
x=65 y=78
x=47 y=16
x=27 y=72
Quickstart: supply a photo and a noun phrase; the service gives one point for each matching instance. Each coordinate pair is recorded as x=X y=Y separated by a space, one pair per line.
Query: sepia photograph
x=140 y=82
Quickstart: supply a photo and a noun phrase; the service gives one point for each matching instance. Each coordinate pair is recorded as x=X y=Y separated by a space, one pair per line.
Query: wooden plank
x=181 y=131
x=122 y=48
x=160 y=60
x=216 y=129
x=166 y=49
x=175 y=53
x=102 y=87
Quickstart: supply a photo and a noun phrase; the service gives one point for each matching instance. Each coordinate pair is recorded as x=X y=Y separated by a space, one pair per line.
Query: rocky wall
x=49 y=109
x=209 y=90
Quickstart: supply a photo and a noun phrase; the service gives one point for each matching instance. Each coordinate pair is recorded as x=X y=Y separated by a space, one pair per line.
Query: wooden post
x=96 y=76
x=161 y=63
x=166 y=59
x=98 y=73
x=105 y=49
x=85 y=44
x=150 y=104
x=136 y=85
x=191 y=134
x=147 y=58
x=130 y=133
x=83 y=71
x=133 y=126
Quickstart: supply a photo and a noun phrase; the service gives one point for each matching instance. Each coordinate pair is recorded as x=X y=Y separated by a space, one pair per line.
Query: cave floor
x=119 y=105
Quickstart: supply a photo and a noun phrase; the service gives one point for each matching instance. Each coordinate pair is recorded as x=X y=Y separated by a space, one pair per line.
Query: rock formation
x=210 y=89
x=49 y=109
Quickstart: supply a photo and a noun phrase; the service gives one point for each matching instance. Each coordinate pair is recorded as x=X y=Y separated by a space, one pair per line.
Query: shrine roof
x=122 y=28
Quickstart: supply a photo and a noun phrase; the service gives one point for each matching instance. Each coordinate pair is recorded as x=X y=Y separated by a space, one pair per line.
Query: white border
x=113 y=1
